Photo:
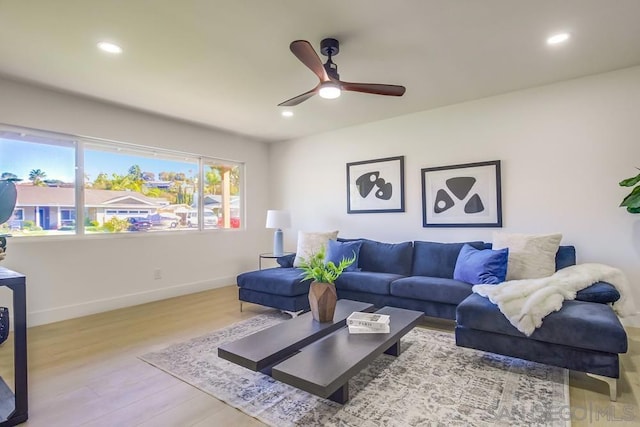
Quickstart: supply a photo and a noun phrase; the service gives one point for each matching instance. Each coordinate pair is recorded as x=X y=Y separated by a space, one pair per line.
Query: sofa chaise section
x=584 y=335
x=279 y=288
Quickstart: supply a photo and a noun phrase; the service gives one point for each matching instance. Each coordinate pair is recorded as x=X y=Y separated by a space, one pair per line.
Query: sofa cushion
x=337 y=251
x=481 y=266
x=366 y=281
x=577 y=324
x=436 y=289
x=393 y=258
x=530 y=256
x=277 y=281
x=434 y=259
x=310 y=243
x=600 y=292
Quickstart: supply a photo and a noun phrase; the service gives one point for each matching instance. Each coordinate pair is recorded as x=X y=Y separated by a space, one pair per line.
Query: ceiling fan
x=330 y=84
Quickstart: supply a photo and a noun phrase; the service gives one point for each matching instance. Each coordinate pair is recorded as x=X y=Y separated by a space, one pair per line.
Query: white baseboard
x=57 y=314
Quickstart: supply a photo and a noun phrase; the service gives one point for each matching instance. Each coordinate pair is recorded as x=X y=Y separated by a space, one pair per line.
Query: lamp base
x=277 y=243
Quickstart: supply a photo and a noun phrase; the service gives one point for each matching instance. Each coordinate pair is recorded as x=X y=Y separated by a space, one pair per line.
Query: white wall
x=563 y=147
x=69 y=277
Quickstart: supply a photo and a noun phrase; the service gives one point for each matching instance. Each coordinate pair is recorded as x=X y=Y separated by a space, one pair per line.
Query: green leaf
x=8 y=195
x=633 y=210
x=314 y=267
x=633 y=199
x=630 y=182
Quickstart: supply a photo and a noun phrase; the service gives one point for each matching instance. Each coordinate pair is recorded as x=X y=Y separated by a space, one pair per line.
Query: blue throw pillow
x=601 y=292
x=336 y=251
x=286 y=261
x=481 y=266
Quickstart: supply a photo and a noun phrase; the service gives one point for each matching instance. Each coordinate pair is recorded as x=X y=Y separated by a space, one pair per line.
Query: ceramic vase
x=322 y=299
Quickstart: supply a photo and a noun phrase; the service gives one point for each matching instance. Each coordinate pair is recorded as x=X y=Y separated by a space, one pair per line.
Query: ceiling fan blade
x=376 y=89
x=298 y=99
x=303 y=50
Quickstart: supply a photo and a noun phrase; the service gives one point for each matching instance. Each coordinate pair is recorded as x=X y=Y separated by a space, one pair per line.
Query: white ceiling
x=227 y=64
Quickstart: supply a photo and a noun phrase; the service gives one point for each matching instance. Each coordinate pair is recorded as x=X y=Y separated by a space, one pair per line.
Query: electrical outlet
x=157 y=274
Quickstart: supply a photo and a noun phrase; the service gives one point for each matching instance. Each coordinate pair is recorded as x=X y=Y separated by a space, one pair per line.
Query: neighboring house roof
x=30 y=195
x=215 y=200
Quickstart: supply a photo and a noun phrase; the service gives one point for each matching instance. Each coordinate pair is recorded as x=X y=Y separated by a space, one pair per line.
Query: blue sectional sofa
x=585 y=335
x=413 y=275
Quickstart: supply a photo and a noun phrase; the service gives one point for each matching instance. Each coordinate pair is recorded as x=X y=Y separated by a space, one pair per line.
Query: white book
x=370 y=320
x=366 y=330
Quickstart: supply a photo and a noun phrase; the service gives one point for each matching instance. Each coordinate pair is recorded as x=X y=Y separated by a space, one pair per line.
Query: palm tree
x=36 y=176
x=212 y=179
x=135 y=173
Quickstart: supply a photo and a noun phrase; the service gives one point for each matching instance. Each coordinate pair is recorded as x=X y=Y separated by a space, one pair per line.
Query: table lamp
x=278 y=220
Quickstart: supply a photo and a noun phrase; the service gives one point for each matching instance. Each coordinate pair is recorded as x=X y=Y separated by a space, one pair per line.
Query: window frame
x=80 y=145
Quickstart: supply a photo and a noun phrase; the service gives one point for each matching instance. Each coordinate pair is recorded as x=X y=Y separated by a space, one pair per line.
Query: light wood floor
x=85 y=372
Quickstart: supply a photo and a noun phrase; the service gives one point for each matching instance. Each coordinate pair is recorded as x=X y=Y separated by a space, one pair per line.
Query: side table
x=16 y=405
x=270 y=255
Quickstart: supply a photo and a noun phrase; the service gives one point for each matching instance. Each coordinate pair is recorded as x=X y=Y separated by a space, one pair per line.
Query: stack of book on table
x=368 y=323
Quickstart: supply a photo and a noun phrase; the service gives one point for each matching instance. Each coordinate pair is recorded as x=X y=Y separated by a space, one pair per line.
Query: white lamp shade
x=278 y=219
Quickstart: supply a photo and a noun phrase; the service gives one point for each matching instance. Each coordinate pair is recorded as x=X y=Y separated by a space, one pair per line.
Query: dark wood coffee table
x=319 y=357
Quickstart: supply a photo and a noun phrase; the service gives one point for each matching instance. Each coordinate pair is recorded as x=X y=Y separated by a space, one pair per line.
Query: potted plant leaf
x=322 y=291
x=8 y=195
x=632 y=201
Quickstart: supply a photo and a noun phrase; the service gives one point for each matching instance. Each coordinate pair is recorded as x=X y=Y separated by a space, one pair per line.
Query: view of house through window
x=43 y=169
x=125 y=188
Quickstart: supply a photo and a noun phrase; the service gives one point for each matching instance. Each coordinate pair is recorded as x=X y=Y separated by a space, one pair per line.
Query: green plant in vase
x=315 y=267
x=322 y=291
x=632 y=201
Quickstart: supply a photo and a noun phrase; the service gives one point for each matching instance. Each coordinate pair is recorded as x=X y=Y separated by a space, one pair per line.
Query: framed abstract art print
x=467 y=195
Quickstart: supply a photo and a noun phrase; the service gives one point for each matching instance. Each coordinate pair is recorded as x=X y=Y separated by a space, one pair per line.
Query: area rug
x=432 y=382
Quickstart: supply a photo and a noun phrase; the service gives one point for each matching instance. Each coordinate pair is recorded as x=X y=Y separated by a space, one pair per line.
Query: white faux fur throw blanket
x=526 y=302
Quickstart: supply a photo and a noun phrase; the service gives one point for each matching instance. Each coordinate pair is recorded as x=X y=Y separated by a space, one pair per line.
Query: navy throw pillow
x=481 y=266
x=336 y=251
x=600 y=292
x=286 y=261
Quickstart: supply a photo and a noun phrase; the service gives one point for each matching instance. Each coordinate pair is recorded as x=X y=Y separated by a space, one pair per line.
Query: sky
x=58 y=162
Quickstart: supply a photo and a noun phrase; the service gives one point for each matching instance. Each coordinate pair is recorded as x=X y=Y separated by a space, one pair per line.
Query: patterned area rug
x=432 y=382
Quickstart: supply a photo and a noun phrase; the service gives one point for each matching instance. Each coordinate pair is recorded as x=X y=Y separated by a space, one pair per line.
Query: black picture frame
x=375 y=186
x=465 y=195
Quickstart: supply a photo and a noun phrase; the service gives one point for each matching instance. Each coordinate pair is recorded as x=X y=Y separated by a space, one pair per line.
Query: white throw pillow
x=530 y=256
x=310 y=243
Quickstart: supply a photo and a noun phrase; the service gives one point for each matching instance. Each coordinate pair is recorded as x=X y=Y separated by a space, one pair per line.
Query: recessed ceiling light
x=109 y=47
x=558 y=38
x=287 y=113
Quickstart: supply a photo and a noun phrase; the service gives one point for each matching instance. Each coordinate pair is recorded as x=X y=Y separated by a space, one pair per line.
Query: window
x=222 y=192
x=164 y=190
x=44 y=167
x=132 y=182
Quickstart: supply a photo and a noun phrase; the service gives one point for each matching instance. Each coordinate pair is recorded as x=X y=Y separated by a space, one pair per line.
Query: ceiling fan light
x=558 y=38
x=329 y=90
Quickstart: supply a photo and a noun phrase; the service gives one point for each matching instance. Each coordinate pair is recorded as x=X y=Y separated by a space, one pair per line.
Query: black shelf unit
x=11 y=416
